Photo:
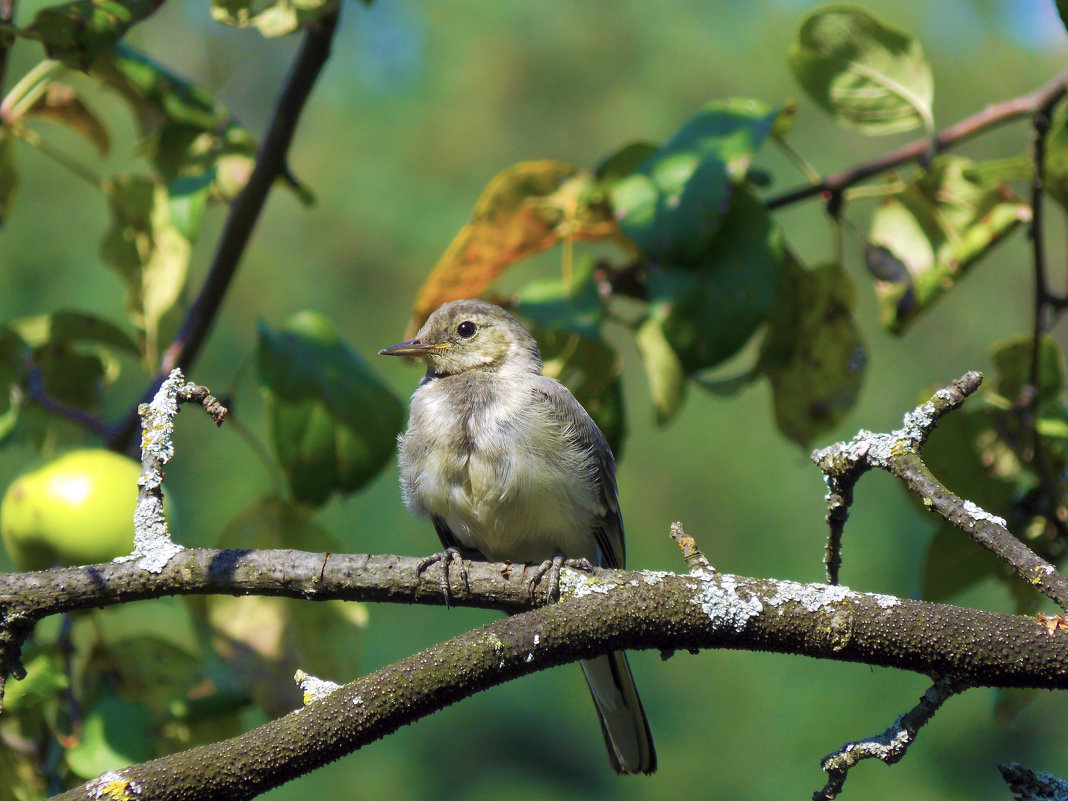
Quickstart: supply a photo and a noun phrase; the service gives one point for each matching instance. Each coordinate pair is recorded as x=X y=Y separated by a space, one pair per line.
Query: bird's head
x=465 y=335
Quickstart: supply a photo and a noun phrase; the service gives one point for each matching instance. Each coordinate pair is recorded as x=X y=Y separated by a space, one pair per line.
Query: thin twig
x=990 y=117
x=898 y=453
x=244 y=213
x=889 y=746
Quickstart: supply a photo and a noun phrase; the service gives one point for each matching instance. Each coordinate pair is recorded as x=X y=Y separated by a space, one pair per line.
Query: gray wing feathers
x=608 y=527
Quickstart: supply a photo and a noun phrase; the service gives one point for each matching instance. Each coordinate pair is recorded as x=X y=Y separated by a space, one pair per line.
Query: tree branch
x=990 y=117
x=271 y=164
x=600 y=612
x=898 y=453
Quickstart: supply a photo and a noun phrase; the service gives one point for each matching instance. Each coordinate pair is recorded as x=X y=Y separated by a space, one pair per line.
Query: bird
x=509 y=466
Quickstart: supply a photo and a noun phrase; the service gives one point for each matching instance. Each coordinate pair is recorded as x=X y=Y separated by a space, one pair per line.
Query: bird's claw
x=553 y=567
x=446 y=557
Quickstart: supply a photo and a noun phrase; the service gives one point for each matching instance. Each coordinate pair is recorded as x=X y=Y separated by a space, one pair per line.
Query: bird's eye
x=466 y=329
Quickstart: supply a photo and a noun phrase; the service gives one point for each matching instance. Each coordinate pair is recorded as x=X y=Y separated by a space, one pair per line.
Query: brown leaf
x=524 y=210
x=1052 y=623
x=61 y=105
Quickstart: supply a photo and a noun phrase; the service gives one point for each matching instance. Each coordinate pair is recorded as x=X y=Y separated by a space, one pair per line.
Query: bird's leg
x=553 y=567
x=446 y=557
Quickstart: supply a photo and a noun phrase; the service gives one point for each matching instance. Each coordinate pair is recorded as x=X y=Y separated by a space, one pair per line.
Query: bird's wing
x=584 y=433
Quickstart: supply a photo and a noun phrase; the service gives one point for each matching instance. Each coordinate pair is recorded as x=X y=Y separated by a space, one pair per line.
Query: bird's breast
x=500 y=473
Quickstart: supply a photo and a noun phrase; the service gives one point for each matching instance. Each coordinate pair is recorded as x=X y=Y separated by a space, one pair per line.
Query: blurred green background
x=420 y=105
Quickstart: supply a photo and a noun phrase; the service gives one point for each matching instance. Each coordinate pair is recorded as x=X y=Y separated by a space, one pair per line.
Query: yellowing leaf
x=526 y=209
x=147 y=250
x=936 y=228
x=271 y=17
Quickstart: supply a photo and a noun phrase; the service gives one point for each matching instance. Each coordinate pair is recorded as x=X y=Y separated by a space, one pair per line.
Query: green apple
x=75 y=510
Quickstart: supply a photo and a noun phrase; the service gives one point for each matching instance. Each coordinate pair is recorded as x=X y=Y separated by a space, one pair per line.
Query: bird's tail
x=626 y=730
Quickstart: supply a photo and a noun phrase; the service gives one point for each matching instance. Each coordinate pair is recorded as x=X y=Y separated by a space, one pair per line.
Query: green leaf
x=1055 y=163
x=1062 y=11
x=9 y=178
x=1012 y=361
x=710 y=312
x=591 y=369
x=940 y=225
x=667 y=379
x=623 y=161
x=813 y=354
x=673 y=203
x=44 y=680
x=69 y=325
x=333 y=422
x=271 y=17
x=958 y=454
x=77 y=33
x=146 y=249
x=272 y=522
x=115 y=733
x=866 y=74
x=558 y=305
x=187 y=199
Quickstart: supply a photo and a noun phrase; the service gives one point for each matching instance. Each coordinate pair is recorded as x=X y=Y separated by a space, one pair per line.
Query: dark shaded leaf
x=9 y=178
x=591 y=369
x=813 y=354
x=333 y=423
x=866 y=74
x=710 y=312
x=1012 y=360
x=673 y=203
x=940 y=225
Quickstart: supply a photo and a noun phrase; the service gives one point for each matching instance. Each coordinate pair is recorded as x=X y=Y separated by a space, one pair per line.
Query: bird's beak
x=414 y=348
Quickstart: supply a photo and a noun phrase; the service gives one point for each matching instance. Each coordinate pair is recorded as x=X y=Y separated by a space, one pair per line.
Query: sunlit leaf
x=77 y=32
x=667 y=378
x=938 y=227
x=69 y=325
x=115 y=733
x=271 y=17
x=333 y=423
x=812 y=353
x=591 y=369
x=44 y=679
x=1012 y=361
x=624 y=161
x=866 y=74
x=524 y=210
x=673 y=203
x=556 y=304
x=61 y=104
x=187 y=198
x=710 y=311
x=146 y=249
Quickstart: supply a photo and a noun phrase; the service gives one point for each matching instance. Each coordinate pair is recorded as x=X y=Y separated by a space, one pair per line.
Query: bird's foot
x=446 y=557
x=553 y=567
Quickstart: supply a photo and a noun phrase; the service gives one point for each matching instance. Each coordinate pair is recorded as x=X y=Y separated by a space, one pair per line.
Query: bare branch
x=990 y=117
x=1027 y=785
x=889 y=746
x=602 y=612
x=271 y=164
